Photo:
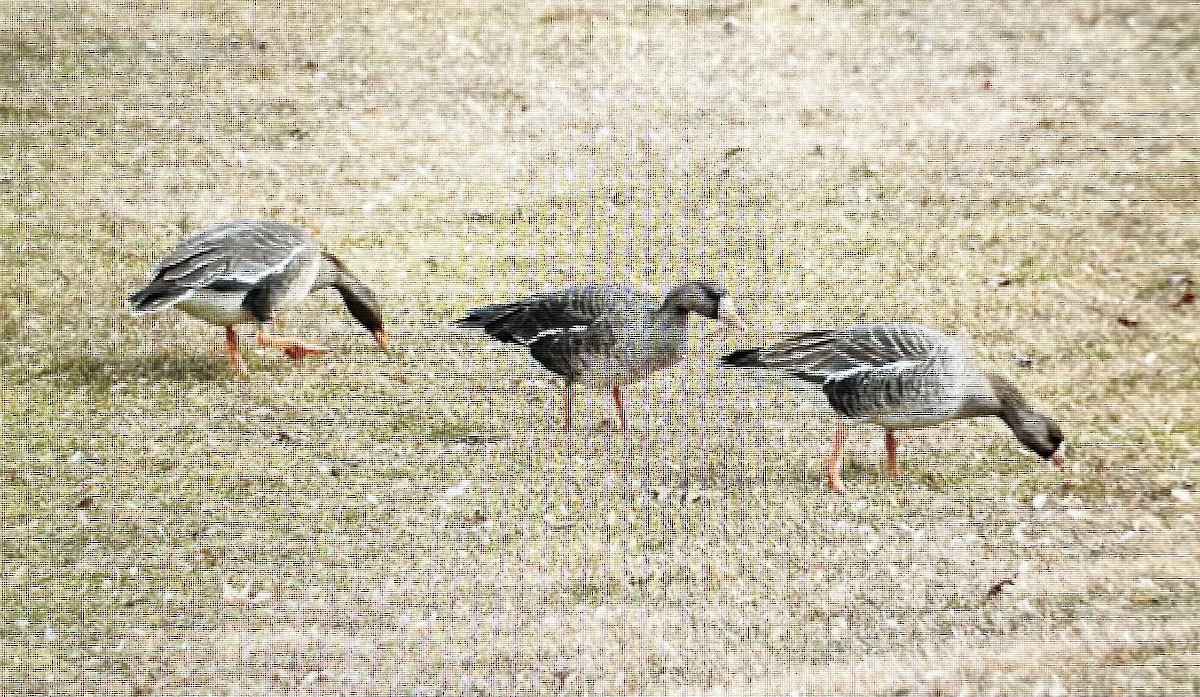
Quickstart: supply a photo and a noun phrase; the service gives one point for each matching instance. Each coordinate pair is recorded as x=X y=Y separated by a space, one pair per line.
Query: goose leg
x=889 y=444
x=566 y=406
x=620 y=406
x=833 y=463
x=293 y=348
x=235 y=356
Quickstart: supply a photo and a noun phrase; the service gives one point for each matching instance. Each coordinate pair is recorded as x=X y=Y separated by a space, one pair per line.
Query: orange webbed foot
x=298 y=351
x=833 y=463
x=833 y=472
x=292 y=348
x=893 y=467
x=235 y=356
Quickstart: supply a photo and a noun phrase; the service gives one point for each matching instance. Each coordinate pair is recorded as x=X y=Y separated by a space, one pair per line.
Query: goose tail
x=153 y=298
x=745 y=358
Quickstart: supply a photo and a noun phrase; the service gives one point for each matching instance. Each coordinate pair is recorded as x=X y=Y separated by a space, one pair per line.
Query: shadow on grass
x=102 y=371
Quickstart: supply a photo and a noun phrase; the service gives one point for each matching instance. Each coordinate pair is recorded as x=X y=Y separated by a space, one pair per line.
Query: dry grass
x=1020 y=173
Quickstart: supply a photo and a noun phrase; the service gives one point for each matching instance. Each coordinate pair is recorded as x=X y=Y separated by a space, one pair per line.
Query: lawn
x=1023 y=175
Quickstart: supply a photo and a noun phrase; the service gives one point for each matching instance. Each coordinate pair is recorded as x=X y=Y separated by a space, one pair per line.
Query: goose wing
x=577 y=311
x=231 y=256
x=903 y=393
x=818 y=354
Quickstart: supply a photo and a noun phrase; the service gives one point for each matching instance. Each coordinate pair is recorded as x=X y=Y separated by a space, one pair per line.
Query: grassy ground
x=1021 y=174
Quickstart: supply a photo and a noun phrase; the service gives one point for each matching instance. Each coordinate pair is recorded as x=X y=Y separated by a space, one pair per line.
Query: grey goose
x=900 y=376
x=603 y=335
x=245 y=272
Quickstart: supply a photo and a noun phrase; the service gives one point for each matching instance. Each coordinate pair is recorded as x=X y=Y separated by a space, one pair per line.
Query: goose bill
x=1059 y=458
x=381 y=338
x=727 y=317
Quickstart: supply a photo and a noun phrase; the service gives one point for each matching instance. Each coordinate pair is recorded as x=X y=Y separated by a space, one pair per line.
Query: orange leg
x=889 y=444
x=235 y=356
x=833 y=463
x=620 y=406
x=293 y=348
x=566 y=407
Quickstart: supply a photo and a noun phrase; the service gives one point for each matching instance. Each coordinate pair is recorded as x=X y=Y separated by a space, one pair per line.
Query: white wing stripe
x=551 y=332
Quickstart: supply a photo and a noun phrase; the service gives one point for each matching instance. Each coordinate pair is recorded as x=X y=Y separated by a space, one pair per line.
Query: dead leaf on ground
x=998 y=587
x=1128 y=322
x=477 y=438
x=85 y=503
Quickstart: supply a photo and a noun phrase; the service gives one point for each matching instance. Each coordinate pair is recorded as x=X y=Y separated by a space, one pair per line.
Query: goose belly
x=896 y=397
x=622 y=368
x=897 y=421
x=222 y=308
x=909 y=414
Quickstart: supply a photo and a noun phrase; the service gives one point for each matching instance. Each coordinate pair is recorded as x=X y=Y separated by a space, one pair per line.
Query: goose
x=603 y=335
x=900 y=376
x=245 y=272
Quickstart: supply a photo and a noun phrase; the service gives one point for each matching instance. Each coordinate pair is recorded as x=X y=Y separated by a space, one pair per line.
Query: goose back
x=597 y=334
x=817 y=354
x=232 y=273
x=897 y=375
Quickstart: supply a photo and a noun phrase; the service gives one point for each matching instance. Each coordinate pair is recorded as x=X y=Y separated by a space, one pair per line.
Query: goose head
x=707 y=299
x=1035 y=430
x=360 y=300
